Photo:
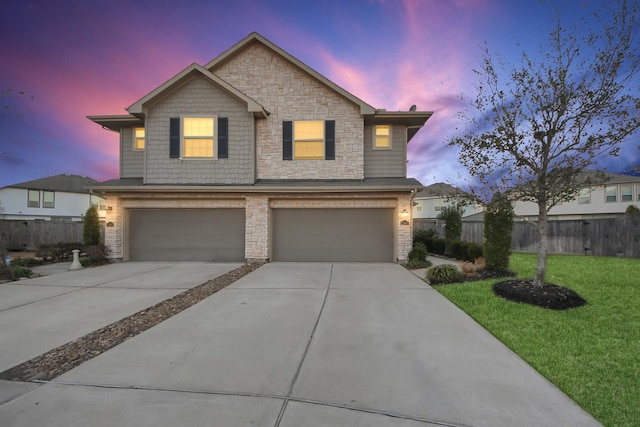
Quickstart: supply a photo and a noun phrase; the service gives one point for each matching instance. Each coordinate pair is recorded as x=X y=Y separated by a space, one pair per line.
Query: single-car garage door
x=186 y=234
x=333 y=235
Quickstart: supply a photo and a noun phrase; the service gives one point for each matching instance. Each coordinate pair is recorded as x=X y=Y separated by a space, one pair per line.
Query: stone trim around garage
x=258 y=208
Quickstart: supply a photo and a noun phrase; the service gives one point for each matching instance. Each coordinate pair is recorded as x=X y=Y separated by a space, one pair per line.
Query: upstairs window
x=382 y=137
x=48 y=199
x=584 y=198
x=308 y=140
x=34 y=199
x=626 y=193
x=138 y=140
x=611 y=193
x=198 y=136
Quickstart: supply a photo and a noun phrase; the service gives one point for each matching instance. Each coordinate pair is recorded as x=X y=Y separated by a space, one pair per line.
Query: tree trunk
x=541 y=268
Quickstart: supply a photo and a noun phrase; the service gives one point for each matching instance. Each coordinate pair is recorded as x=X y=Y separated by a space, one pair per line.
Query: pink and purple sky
x=84 y=57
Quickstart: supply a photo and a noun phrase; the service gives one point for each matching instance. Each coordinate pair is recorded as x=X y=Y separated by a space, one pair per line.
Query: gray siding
x=200 y=97
x=131 y=162
x=385 y=163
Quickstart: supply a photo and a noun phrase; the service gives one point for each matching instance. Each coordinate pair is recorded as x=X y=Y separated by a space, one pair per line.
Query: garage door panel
x=186 y=234
x=333 y=235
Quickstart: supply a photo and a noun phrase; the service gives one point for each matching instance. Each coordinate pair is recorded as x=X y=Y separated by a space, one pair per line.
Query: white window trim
x=29 y=199
x=293 y=139
x=373 y=142
x=622 y=195
x=215 y=136
x=605 y=194
x=44 y=201
x=588 y=196
x=133 y=142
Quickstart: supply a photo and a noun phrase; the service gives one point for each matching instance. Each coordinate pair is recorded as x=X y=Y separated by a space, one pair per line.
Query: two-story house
x=256 y=156
x=607 y=200
x=433 y=199
x=63 y=197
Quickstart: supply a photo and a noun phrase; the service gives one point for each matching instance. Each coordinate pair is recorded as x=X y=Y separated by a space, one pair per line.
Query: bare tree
x=535 y=127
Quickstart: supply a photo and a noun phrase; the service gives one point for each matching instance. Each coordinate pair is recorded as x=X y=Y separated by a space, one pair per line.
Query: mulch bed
x=68 y=356
x=549 y=296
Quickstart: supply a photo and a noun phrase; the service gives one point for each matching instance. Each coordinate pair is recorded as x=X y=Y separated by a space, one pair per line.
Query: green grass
x=592 y=353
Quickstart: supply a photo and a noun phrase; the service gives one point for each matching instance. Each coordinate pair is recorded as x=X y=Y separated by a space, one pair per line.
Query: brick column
x=404 y=234
x=256 y=238
x=113 y=232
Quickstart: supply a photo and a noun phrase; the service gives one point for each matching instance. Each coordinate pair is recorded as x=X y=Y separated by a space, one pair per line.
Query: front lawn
x=592 y=353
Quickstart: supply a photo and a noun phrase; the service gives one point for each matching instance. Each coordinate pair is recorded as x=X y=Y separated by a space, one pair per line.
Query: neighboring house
x=433 y=199
x=608 y=200
x=62 y=197
x=255 y=156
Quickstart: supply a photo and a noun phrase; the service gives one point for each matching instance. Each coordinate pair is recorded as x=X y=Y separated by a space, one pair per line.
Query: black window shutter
x=174 y=137
x=287 y=140
x=223 y=137
x=330 y=140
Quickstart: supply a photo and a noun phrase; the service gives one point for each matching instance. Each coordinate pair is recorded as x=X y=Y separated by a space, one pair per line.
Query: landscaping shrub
x=453 y=223
x=14 y=272
x=445 y=273
x=96 y=255
x=632 y=210
x=57 y=251
x=498 y=224
x=91 y=227
x=423 y=236
x=465 y=251
x=417 y=257
x=436 y=246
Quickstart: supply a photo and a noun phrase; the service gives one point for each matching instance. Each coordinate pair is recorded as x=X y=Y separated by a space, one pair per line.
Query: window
x=34 y=199
x=638 y=192
x=584 y=198
x=198 y=137
x=611 y=193
x=308 y=139
x=626 y=193
x=418 y=208
x=138 y=140
x=48 y=199
x=382 y=137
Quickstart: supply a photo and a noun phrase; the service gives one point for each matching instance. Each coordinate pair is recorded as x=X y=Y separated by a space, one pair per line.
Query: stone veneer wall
x=258 y=215
x=288 y=93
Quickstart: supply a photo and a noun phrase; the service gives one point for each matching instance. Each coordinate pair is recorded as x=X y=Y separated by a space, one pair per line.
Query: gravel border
x=56 y=362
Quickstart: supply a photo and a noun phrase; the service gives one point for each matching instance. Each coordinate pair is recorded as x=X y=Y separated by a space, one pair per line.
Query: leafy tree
x=539 y=124
x=452 y=223
x=91 y=228
x=498 y=225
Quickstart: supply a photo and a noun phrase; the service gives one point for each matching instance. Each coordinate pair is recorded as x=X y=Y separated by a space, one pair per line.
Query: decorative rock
x=75 y=265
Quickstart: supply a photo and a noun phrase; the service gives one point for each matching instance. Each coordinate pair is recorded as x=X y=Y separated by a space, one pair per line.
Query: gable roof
x=439 y=189
x=257 y=38
x=137 y=109
x=64 y=182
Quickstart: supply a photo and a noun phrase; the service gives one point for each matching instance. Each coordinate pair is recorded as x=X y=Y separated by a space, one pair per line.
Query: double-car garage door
x=296 y=234
x=333 y=235
x=186 y=234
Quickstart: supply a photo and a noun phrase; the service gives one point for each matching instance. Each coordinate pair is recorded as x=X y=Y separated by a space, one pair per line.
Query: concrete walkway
x=302 y=345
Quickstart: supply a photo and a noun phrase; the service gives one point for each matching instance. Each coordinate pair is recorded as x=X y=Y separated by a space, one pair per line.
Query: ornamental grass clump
x=445 y=273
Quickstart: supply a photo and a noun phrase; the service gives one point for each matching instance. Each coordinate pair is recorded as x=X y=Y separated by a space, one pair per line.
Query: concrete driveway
x=300 y=344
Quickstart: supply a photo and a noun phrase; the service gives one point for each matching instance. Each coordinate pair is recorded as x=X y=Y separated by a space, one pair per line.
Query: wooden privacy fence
x=603 y=237
x=28 y=235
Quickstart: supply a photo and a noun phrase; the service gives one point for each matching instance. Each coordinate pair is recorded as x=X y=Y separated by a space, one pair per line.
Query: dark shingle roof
x=438 y=189
x=64 y=182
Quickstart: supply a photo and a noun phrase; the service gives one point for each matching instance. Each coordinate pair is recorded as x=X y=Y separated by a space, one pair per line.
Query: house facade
x=434 y=198
x=603 y=201
x=255 y=156
x=63 y=197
